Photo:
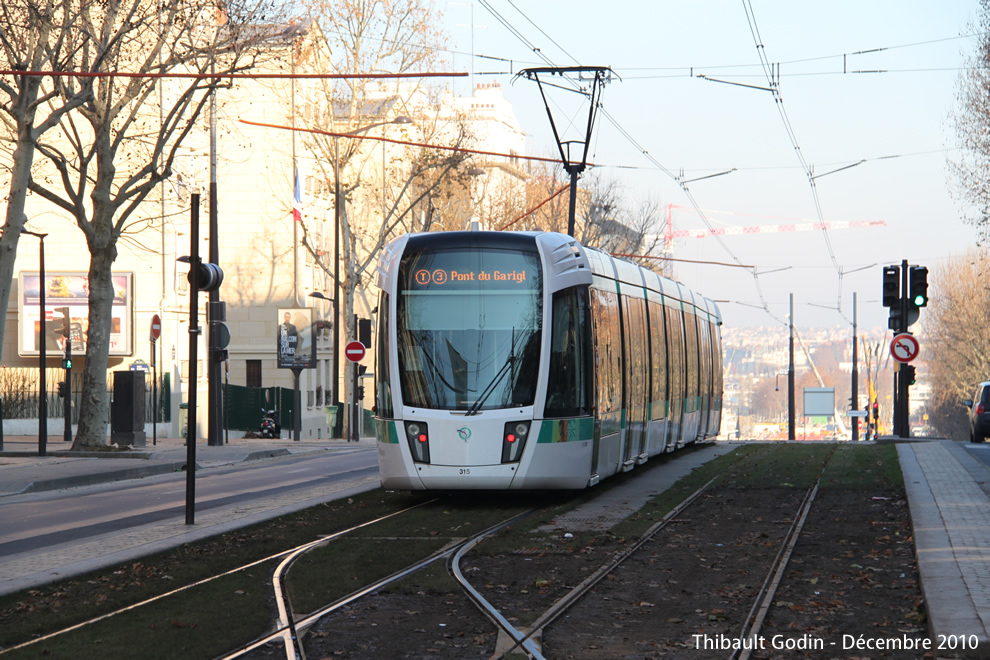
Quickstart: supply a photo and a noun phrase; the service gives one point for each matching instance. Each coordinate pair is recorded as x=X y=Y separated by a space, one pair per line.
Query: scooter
x=269 y=424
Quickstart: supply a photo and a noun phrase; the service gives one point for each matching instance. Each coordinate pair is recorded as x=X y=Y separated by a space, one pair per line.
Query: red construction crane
x=802 y=225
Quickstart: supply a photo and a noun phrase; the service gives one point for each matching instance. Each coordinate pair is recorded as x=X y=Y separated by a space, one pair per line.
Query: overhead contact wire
x=774 y=86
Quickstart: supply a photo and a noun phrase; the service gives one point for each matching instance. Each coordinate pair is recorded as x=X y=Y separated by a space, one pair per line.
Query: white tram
x=525 y=360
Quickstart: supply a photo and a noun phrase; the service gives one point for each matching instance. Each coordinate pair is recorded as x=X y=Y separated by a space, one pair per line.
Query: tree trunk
x=20 y=174
x=94 y=401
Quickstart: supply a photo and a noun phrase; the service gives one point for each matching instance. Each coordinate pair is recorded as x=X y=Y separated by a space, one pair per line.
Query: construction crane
x=670 y=233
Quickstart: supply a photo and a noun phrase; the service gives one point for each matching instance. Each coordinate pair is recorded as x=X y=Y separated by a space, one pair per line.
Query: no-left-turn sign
x=904 y=347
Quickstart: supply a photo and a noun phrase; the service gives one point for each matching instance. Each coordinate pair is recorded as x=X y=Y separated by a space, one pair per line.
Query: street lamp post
x=42 y=350
x=337 y=207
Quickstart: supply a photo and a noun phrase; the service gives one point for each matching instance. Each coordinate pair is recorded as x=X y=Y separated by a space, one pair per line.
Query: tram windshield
x=468 y=328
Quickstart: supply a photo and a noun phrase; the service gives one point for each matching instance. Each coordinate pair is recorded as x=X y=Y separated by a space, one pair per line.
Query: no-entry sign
x=354 y=351
x=156 y=327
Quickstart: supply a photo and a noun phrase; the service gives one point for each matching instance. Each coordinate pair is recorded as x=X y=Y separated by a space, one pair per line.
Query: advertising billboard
x=294 y=341
x=71 y=289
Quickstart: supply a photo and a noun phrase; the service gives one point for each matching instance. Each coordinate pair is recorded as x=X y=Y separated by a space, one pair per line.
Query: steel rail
x=288 y=630
x=764 y=599
x=575 y=594
x=290 y=556
x=490 y=610
x=192 y=585
x=757 y=614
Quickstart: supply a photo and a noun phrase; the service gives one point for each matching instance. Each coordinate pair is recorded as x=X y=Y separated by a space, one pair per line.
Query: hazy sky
x=897 y=121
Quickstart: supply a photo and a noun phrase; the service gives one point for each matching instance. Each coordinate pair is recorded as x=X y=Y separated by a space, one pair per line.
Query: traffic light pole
x=904 y=292
x=905 y=387
x=194 y=332
x=854 y=389
x=67 y=435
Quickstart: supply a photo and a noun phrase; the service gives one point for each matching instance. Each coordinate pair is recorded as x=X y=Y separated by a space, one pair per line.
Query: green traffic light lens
x=919 y=301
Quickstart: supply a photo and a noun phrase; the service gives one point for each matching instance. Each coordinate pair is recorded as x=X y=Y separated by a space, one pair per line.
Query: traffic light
x=908 y=370
x=895 y=322
x=918 y=286
x=63 y=329
x=876 y=411
x=364 y=332
x=891 y=286
x=66 y=363
x=208 y=276
x=62 y=389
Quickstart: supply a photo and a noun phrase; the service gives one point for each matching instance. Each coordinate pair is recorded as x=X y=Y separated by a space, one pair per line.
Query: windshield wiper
x=487 y=392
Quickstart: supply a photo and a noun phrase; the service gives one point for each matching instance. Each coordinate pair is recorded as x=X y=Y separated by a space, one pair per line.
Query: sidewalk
x=950 y=510
x=22 y=471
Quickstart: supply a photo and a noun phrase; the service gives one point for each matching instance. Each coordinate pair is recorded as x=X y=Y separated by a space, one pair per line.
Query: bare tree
x=112 y=151
x=956 y=343
x=606 y=218
x=972 y=124
x=34 y=36
x=384 y=189
x=612 y=226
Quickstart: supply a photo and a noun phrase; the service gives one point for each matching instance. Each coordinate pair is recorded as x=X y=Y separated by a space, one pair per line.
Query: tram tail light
x=418 y=437
x=514 y=440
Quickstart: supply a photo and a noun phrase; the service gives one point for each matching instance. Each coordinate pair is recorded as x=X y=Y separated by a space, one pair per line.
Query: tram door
x=636 y=361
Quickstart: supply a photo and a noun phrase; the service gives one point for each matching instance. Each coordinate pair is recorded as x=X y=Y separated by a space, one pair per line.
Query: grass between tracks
x=223 y=614
x=852 y=466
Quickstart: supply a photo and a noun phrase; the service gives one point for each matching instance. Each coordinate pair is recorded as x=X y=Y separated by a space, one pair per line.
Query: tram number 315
x=465 y=471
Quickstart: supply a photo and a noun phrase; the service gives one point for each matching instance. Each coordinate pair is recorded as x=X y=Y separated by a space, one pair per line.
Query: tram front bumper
x=474 y=477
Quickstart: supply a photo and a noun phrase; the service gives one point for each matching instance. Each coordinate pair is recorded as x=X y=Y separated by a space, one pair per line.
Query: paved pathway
x=951 y=516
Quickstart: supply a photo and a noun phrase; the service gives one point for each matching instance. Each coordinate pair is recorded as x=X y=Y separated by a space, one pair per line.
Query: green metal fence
x=245 y=406
x=20 y=398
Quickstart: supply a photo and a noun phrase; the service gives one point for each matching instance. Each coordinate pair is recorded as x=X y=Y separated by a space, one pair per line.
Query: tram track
x=703 y=556
x=288 y=629
x=285 y=555
x=522 y=639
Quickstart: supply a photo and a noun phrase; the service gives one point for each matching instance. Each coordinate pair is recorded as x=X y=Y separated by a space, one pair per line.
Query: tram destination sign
x=443 y=276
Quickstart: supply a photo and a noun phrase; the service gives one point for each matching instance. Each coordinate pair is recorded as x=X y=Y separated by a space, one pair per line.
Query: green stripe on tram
x=566 y=430
x=386 y=432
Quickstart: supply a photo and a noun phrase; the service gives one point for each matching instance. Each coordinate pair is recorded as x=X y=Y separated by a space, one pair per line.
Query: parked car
x=979 y=413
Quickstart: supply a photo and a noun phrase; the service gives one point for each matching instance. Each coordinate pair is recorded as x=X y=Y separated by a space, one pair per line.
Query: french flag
x=297 y=200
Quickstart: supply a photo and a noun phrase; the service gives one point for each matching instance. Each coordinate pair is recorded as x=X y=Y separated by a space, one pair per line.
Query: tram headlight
x=418 y=437
x=513 y=441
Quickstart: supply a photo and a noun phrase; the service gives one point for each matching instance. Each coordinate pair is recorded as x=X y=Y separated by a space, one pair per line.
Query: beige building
x=266 y=268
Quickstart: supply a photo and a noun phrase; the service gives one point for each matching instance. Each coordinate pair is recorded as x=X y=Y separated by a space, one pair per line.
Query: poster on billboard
x=70 y=289
x=294 y=343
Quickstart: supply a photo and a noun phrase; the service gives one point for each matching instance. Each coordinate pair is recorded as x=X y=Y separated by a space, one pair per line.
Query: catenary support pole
x=791 y=435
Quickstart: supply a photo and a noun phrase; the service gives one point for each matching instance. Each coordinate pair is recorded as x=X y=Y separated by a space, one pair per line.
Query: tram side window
x=675 y=341
x=608 y=350
x=659 y=361
x=637 y=354
x=569 y=384
x=691 y=341
x=383 y=389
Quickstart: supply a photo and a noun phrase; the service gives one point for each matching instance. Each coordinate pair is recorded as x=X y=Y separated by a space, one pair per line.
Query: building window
x=253 y=373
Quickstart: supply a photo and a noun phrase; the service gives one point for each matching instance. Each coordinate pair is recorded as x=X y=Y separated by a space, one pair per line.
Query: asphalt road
x=40 y=520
